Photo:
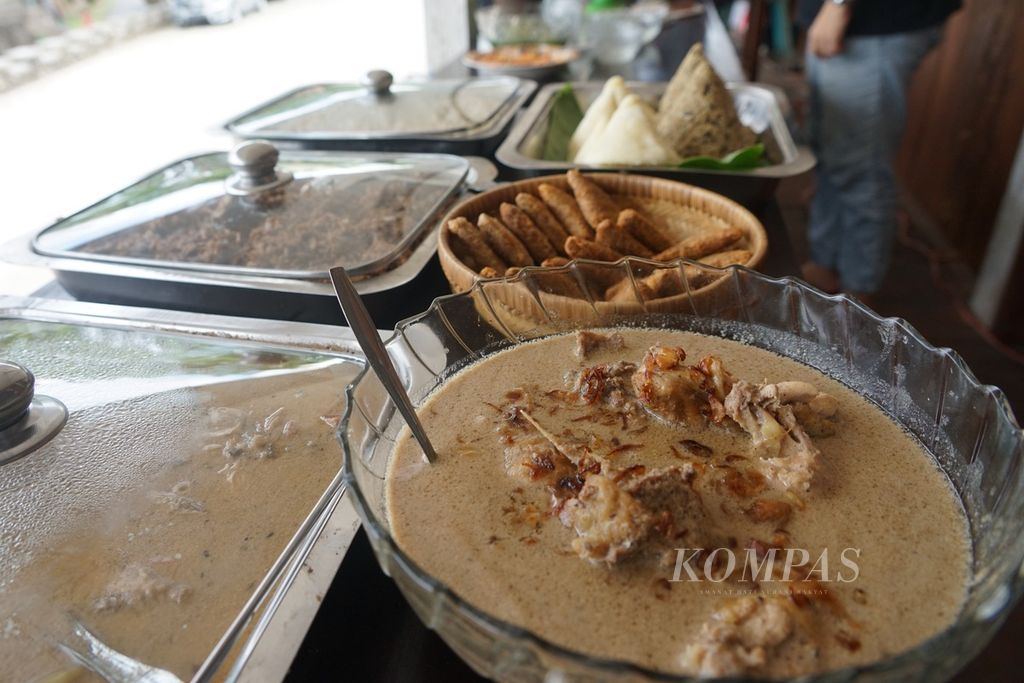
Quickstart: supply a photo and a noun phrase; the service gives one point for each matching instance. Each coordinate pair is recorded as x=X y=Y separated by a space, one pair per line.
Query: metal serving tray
x=391 y=296
x=266 y=633
x=479 y=140
x=762 y=108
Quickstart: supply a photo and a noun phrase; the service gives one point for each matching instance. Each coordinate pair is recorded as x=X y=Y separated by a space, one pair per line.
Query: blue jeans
x=857 y=114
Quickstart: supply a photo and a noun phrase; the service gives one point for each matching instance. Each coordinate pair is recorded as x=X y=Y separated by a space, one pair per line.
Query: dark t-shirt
x=880 y=17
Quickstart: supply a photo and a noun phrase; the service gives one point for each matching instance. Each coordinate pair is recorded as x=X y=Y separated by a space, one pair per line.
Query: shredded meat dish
x=306 y=225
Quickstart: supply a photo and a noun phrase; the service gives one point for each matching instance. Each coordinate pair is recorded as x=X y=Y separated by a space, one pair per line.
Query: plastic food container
x=761 y=108
x=968 y=427
x=164 y=478
x=254 y=232
x=465 y=116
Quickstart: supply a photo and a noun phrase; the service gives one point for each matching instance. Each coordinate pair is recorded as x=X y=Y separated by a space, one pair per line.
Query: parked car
x=185 y=12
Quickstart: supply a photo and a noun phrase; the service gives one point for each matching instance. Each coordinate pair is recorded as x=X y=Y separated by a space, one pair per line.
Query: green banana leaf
x=740 y=160
x=564 y=117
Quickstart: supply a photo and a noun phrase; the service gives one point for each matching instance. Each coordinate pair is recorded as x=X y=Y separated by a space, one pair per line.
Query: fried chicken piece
x=537 y=460
x=678 y=392
x=788 y=456
x=609 y=522
x=608 y=383
x=677 y=511
x=814 y=410
x=739 y=637
x=620 y=514
x=669 y=388
x=588 y=342
x=765 y=510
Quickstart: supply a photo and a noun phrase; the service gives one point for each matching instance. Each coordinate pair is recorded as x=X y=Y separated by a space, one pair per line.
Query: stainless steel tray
x=228 y=294
x=762 y=108
x=480 y=140
x=266 y=634
x=392 y=295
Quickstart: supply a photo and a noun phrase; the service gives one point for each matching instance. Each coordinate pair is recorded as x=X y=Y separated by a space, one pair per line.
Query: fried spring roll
x=528 y=233
x=620 y=240
x=701 y=245
x=581 y=248
x=660 y=283
x=462 y=253
x=488 y=272
x=594 y=202
x=473 y=241
x=699 y=278
x=666 y=281
x=512 y=271
x=543 y=219
x=639 y=227
x=563 y=284
x=724 y=259
x=503 y=241
x=566 y=209
x=555 y=262
x=586 y=249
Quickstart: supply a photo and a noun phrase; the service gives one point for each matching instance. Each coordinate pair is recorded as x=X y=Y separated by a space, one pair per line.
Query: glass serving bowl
x=969 y=428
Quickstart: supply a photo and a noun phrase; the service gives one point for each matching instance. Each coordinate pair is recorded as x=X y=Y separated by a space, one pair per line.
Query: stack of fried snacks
x=588 y=224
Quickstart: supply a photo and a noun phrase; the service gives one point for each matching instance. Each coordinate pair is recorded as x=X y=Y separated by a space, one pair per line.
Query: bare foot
x=825 y=279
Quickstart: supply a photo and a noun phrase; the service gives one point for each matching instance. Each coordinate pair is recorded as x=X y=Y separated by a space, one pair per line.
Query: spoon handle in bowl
x=365 y=331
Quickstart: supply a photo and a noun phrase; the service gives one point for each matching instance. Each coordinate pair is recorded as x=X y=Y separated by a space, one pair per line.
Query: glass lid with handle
x=381 y=108
x=151 y=478
x=258 y=211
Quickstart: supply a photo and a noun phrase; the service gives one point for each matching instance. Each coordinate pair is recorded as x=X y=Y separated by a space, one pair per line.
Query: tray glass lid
x=257 y=211
x=381 y=108
x=180 y=469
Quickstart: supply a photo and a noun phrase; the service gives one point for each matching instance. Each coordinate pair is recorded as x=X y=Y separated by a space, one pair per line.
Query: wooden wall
x=964 y=121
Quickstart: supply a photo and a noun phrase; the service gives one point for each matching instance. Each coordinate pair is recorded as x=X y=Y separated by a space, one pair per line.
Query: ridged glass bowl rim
x=507 y=630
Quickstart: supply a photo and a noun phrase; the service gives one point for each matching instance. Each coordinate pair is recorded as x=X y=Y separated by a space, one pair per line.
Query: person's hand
x=825 y=36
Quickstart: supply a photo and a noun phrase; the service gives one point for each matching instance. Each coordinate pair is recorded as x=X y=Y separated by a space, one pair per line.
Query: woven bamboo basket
x=678 y=209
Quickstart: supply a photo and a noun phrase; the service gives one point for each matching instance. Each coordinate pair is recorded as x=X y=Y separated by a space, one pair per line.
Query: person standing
x=861 y=55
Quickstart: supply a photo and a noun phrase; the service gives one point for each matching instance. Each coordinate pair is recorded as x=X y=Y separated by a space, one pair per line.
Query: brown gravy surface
x=161 y=572
x=497 y=543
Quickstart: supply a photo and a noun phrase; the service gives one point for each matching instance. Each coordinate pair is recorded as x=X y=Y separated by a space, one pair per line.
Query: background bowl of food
x=525 y=60
x=954 y=428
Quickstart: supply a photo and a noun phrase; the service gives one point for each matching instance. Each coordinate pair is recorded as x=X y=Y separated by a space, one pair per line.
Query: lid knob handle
x=379 y=81
x=17 y=387
x=27 y=420
x=255 y=166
